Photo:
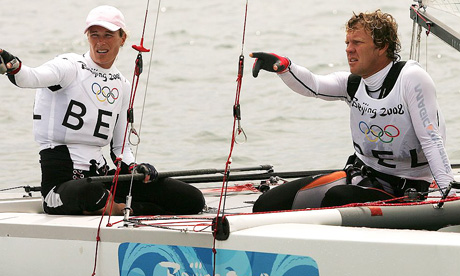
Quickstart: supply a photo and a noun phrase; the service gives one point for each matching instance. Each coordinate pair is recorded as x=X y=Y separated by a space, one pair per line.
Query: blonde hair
x=383 y=29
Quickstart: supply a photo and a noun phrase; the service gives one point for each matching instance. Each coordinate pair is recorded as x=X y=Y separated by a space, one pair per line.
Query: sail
x=449 y=6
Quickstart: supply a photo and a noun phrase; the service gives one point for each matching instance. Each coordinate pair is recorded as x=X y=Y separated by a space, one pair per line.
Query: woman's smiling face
x=104 y=45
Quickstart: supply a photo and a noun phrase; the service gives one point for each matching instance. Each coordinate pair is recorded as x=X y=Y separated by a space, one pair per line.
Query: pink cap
x=105 y=16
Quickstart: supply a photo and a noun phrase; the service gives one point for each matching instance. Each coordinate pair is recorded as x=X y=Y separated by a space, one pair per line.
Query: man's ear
x=383 y=50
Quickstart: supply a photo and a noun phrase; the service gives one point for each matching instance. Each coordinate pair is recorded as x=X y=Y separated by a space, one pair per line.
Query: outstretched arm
x=58 y=71
x=301 y=80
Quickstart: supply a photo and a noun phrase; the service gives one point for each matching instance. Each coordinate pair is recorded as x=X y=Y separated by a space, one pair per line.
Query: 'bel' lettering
x=73 y=118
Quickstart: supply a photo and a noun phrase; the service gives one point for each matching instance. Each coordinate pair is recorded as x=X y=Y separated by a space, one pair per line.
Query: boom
x=435 y=26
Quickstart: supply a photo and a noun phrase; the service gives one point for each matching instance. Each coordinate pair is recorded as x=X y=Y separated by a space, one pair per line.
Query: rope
x=380 y=203
x=202 y=224
x=130 y=114
x=237 y=130
x=415 y=53
x=146 y=84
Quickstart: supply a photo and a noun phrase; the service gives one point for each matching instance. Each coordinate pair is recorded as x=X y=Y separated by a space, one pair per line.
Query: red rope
x=137 y=71
x=201 y=224
x=428 y=23
x=381 y=203
x=236 y=117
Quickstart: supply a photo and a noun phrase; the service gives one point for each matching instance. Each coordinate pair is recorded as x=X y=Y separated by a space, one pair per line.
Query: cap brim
x=109 y=26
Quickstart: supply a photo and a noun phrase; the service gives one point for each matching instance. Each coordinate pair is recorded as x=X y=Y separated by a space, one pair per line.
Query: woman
x=81 y=105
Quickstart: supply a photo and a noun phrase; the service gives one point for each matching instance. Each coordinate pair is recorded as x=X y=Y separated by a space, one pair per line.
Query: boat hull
x=40 y=244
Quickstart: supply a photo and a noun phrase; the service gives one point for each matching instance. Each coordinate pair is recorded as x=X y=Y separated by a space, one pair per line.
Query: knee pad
x=312 y=194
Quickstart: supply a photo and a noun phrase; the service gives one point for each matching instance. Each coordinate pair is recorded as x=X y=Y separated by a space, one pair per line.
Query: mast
x=419 y=15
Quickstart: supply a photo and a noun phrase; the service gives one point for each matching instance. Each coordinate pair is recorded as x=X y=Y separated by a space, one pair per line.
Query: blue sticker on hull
x=137 y=259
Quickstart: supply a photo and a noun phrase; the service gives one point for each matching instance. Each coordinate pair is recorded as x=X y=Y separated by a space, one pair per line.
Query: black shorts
x=65 y=195
x=165 y=196
x=75 y=196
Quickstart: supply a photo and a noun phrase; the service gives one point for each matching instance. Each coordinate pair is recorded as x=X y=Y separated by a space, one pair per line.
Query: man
x=397 y=129
x=81 y=105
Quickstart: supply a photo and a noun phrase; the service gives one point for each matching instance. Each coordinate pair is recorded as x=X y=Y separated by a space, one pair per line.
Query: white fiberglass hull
x=40 y=244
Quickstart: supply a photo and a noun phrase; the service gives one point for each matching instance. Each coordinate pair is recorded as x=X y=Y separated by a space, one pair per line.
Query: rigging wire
x=145 y=96
x=416 y=38
x=237 y=130
x=141 y=49
x=130 y=116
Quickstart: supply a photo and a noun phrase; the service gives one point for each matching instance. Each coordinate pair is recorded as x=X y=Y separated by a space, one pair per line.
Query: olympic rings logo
x=105 y=93
x=375 y=133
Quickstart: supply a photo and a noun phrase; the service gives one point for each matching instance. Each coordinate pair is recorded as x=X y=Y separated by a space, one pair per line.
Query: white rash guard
x=402 y=134
x=80 y=105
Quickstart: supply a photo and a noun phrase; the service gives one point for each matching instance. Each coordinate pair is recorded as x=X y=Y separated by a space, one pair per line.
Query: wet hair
x=383 y=29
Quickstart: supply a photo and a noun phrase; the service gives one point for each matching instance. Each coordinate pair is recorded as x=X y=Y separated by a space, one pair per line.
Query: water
x=187 y=121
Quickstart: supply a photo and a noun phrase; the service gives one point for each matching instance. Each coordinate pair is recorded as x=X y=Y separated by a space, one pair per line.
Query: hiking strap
x=399 y=184
x=388 y=83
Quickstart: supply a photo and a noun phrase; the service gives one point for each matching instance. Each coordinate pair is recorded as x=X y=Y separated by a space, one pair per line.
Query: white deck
x=40 y=244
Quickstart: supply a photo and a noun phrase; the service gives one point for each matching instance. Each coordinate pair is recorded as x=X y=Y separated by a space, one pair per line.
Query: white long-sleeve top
x=402 y=134
x=80 y=105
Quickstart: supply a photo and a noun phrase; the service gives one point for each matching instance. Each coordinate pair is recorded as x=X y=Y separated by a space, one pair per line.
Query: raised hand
x=8 y=63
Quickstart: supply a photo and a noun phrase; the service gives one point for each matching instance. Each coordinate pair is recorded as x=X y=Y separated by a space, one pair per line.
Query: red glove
x=269 y=62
